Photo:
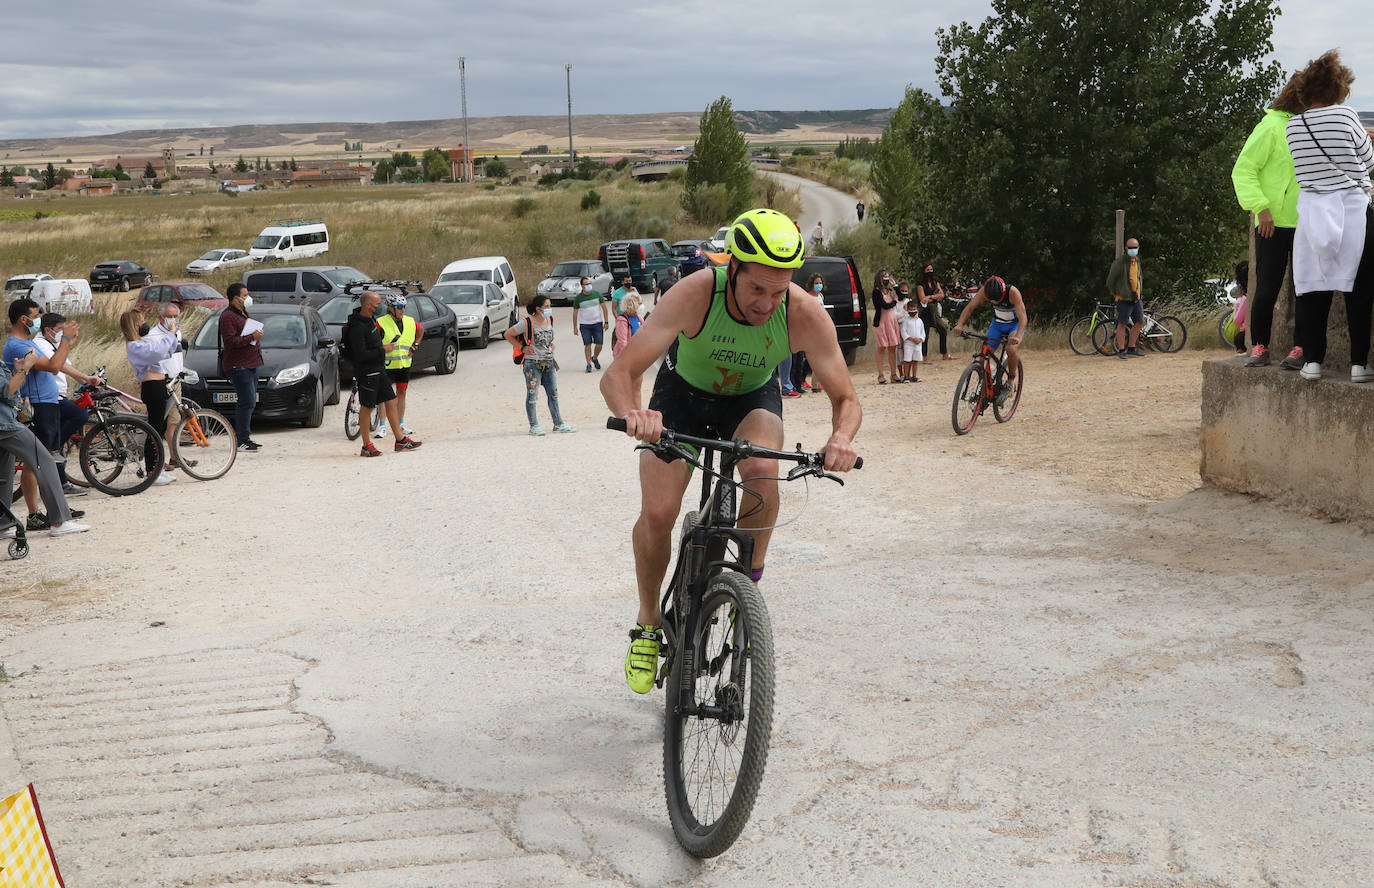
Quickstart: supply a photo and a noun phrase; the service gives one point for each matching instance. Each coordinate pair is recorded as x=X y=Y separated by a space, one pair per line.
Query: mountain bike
x=984 y=382
x=717 y=650
x=1164 y=333
x=1082 y=332
x=204 y=443
x=353 y=415
x=120 y=455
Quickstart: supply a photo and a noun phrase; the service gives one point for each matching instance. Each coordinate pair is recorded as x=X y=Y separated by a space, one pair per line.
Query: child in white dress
x=913 y=335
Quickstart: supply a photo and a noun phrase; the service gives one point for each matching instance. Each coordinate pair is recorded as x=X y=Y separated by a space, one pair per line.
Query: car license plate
x=226 y=397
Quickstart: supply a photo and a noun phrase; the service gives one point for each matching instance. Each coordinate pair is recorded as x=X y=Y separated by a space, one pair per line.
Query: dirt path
x=1026 y=656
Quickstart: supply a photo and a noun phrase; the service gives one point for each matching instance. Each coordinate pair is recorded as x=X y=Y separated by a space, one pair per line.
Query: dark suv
x=844 y=299
x=645 y=260
x=120 y=274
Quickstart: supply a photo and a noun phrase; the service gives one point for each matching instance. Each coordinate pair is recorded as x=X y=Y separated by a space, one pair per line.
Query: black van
x=844 y=299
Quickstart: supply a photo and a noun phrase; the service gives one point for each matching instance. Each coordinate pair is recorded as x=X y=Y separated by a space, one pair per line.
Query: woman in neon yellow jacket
x=1267 y=186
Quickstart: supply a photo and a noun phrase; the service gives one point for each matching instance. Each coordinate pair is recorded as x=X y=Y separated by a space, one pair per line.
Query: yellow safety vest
x=404 y=337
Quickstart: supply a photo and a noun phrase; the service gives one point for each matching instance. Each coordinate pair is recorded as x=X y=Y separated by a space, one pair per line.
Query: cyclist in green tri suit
x=722 y=333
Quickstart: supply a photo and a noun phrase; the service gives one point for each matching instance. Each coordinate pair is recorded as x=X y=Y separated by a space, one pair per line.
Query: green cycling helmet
x=767 y=237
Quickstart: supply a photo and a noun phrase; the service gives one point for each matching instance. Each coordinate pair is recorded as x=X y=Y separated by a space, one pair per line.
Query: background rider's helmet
x=995 y=289
x=767 y=237
x=396 y=300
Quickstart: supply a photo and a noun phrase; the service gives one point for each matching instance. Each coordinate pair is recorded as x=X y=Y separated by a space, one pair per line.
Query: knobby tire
x=968 y=398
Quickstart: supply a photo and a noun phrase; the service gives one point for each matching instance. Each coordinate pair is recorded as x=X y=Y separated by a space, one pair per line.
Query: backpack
x=518 y=352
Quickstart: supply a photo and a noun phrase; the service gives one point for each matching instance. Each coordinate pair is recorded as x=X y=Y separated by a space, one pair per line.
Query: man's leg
x=401 y=402
x=39 y=464
x=393 y=416
x=1013 y=360
x=1135 y=334
x=759 y=509
x=365 y=422
x=661 y=486
x=586 y=343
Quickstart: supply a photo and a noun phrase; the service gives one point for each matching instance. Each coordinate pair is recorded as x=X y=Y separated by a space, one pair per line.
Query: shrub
x=709 y=202
x=591 y=200
x=616 y=223
x=522 y=207
x=537 y=242
x=655 y=227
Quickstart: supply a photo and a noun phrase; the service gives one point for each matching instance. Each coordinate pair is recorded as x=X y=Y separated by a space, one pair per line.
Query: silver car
x=565 y=281
x=218 y=259
x=483 y=309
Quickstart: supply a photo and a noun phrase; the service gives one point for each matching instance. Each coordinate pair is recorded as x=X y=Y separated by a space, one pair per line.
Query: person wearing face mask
x=146 y=355
x=240 y=357
x=52 y=327
x=889 y=327
x=363 y=336
x=17 y=442
x=931 y=296
x=591 y=319
x=913 y=335
x=1123 y=282
x=168 y=326
x=535 y=338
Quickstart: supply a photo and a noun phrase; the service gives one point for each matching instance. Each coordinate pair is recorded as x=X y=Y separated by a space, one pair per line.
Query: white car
x=717 y=240
x=17 y=287
x=483 y=268
x=483 y=310
x=218 y=259
x=565 y=281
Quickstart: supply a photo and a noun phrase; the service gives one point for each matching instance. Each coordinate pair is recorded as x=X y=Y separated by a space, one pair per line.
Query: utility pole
x=467 y=146
x=572 y=158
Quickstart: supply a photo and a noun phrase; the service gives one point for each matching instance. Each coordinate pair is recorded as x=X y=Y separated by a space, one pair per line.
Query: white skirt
x=1329 y=240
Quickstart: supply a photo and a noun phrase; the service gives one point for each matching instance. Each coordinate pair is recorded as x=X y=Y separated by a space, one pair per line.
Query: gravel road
x=1032 y=656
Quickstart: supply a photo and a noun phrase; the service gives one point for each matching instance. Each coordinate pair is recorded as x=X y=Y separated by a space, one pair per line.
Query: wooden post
x=1120 y=233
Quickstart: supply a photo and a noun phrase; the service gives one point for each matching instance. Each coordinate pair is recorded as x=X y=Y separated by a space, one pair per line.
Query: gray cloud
x=212 y=62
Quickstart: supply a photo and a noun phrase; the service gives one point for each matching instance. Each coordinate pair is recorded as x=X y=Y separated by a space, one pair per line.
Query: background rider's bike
x=717 y=651
x=984 y=382
x=353 y=415
x=1162 y=333
x=1083 y=329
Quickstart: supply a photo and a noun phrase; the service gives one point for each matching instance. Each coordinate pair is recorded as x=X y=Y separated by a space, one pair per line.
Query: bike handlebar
x=738 y=449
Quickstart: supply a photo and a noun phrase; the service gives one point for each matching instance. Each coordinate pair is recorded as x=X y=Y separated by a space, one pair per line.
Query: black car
x=120 y=274
x=438 y=347
x=299 y=375
x=845 y=301
x=691 y=255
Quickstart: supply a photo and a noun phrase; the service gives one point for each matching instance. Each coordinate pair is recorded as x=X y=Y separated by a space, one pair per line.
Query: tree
x=292 y=165
x=148 y=171
x=212 y=150
x=496 y=169
x=1060 y=112
x=241 y=166
x=50 y=176
x=6 y=178
x=403 y=159
x=719 y=157
x=435 y=164
x=384 y=172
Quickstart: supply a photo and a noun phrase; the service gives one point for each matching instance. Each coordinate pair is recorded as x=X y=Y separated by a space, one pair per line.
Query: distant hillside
x=487 y=133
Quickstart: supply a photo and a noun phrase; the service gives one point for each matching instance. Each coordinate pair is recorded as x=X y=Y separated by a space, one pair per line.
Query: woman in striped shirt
x=1332 y=158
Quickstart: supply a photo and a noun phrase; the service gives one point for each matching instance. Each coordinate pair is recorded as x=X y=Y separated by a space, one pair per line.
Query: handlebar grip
x=616 y=424
x=858 y=462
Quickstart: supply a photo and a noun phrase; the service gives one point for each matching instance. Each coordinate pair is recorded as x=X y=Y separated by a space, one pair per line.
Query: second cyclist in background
x=400 y=335
x=1008 y=322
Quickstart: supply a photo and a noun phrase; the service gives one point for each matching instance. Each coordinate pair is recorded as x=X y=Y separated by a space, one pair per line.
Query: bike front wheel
x=122 y=456
x=204 y=445
x=1168 y=334
x=713 y=760
x=351 y=420
x=1104 y=339
x=1005 y=408
x=1081 y=336
x=968 y=399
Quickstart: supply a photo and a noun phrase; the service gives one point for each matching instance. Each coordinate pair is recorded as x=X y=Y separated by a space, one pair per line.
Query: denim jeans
x=245 y=382
x=785 y=374
x=533 y=377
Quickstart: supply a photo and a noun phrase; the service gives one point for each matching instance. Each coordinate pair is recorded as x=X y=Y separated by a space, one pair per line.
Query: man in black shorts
x=724 y=334
x=364 y=339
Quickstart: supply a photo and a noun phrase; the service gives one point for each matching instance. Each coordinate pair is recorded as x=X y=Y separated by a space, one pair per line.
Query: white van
x=484 y=268
x=69 y=296
x=290 y=240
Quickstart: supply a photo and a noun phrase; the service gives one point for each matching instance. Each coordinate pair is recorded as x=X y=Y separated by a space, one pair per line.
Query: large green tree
x=1061 y=112
x=720 y=178
x=435 y=164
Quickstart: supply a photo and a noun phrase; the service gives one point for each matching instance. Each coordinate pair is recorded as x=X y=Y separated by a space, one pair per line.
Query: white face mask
x=247 y=302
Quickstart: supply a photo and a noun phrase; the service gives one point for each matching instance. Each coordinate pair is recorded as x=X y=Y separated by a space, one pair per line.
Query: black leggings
x=1272 y=255
x=153 y=392
x=1313 y=309
x=934 y=328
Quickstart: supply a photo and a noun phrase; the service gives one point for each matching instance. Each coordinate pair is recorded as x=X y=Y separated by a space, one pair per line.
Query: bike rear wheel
x=71 y=448
x=204 y=445
x=968 y=399
x=351 y=420
x=1081 y=336
x=1169 y=334
x=713 y=764
x=1007 y=409
x=1104 y=339
x=114 y=455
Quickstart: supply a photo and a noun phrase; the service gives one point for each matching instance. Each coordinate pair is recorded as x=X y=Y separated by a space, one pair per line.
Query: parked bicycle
x=204 y=443
x=983 y=383
x=353 y=416
x=119 y=453
x=1161 y=333
x=1082 y=332
x=717 y=651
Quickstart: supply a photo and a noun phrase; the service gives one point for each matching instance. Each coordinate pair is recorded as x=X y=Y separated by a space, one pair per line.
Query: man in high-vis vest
x=400 y=336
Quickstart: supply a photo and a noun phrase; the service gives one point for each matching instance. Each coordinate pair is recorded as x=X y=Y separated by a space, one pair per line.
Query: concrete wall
x=1270 y=432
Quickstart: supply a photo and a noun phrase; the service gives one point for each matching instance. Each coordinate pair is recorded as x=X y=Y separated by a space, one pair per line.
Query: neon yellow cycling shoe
x=641 y=660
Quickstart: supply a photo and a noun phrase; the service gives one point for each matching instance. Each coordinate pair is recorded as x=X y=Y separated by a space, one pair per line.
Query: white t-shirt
x=913 y=327
x=46 y=349
x=171 y=366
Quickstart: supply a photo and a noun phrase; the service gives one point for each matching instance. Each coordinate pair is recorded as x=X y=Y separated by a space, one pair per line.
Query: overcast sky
x=76 y=67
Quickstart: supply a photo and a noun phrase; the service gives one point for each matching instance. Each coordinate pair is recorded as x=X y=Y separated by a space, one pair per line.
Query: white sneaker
x=163 y=478
x=381 y=431
x=406 y=430
x=68 y=527
x=1311 y=370
x=1360 y=373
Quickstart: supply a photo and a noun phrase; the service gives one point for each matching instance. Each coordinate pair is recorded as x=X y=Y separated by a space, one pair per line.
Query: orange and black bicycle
x=985 y=382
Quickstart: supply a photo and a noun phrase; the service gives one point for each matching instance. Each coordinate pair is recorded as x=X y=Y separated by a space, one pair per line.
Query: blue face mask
x=548 y=312
x=34 y=325
x=817 y=287
x=1132 y=251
